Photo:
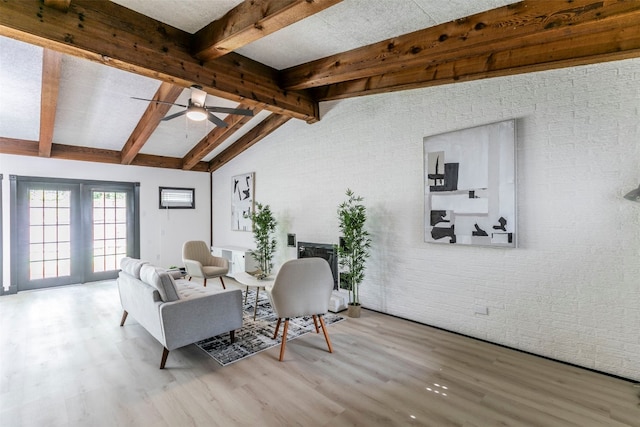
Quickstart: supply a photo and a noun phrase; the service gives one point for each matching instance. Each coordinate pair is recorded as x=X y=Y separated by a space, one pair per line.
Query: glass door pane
x=49 y=233
x=110 y=226
x=47 y=223
x=109 y=229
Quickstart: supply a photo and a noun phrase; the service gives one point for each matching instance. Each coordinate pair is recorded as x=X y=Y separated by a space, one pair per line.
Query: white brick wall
x=571 y=291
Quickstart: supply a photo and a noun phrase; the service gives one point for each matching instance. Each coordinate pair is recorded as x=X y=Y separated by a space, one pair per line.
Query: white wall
x=162 y=232
x=571 y=291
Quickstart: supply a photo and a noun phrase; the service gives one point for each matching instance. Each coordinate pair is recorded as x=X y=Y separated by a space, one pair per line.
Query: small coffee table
x=251 y=281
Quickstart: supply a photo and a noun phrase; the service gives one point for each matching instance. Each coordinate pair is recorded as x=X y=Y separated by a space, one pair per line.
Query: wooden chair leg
x=232 y=336
x=205 y=282
x=284 y=339
x=165 y=353
x=255 y=306
x=326 y=335
x=222 y=281
x=275 y=333
x=124 y=317
x=315 y=323
x=189 y=278
x=246 y=294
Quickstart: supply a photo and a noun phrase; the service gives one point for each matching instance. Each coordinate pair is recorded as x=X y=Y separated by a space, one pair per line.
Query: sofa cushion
x=188 y=290
x=132 y=266
x=161 y=280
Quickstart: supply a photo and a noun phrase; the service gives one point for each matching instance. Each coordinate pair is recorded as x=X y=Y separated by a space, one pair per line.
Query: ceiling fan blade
x=158 y=102
x=173 y=116
x=239 y=111
x=216 y=121
x=198 y=96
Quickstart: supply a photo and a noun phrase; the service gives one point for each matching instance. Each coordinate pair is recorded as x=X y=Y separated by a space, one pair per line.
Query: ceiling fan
x=197 y=110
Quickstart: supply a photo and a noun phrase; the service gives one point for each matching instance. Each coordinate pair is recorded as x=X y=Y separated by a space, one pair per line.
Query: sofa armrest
x=203 y=316
x=142 y=302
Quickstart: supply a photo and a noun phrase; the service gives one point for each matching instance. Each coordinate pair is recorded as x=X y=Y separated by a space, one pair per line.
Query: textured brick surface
x=571 y=291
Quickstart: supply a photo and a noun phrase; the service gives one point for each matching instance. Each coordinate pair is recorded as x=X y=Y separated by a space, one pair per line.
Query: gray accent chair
x=199 y=262
x=302 y=287
x=174 y=311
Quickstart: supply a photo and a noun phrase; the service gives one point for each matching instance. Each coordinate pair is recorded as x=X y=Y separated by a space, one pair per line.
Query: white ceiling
x=20 y=85
x=95 y=108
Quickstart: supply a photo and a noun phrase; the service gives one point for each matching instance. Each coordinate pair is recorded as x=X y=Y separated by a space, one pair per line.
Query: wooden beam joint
x=250 y=21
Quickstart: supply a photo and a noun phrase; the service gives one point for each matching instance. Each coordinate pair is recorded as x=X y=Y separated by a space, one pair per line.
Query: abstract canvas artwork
x=241 y=201
x=470 y=186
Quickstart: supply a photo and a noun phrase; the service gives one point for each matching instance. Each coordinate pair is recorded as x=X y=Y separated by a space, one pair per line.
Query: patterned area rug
x=256 y=335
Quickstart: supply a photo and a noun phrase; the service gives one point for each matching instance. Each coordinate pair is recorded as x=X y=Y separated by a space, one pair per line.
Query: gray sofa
x=176 y=312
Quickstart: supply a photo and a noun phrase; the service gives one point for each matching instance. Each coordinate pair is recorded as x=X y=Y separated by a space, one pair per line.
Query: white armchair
x=302 y=287
x=199 y=262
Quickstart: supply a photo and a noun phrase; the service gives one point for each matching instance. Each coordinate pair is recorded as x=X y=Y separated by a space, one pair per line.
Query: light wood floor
x=65 y=361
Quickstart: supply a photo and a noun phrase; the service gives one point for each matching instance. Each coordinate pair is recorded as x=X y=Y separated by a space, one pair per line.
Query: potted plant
x=353 y=250
x=264 y=226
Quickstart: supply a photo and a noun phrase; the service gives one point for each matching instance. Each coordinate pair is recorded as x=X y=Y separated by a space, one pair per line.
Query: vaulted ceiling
x=69 y=69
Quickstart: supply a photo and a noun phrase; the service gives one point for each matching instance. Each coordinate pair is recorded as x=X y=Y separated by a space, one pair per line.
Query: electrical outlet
x=480 y=309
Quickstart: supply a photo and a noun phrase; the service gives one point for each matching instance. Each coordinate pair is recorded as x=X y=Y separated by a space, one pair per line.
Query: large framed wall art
x=242 y=199
x=470 y=186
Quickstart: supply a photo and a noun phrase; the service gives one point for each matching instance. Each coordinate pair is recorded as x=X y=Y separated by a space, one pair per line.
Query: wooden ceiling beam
x=216 y=137
x=260 y=131
x=593 y=43
x=149 y=121
x=250 y=21
x=548 y=20
x=22 y=147
x=105 y=32
x=51 y=65
x=167 y=163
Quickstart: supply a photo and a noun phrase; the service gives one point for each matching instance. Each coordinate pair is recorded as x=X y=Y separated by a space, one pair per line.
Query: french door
x=68 y=231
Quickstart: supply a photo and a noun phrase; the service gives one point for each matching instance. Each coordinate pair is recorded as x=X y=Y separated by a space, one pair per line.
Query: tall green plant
x=264 y=227
x=354 y=250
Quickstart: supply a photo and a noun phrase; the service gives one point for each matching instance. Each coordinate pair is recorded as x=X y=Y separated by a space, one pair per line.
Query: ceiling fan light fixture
x=196 y=113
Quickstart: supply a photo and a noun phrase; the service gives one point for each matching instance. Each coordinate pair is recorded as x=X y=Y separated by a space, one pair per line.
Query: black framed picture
x=177 y=198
